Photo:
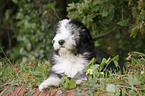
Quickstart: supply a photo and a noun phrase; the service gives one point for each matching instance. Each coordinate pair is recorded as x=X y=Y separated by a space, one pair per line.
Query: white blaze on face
x=64 y=32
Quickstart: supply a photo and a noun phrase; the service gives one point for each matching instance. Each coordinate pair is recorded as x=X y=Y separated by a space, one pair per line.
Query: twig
x=56 y=14
x=97 y=37
x=6 y=57
x=130 y=87
x=125 y=92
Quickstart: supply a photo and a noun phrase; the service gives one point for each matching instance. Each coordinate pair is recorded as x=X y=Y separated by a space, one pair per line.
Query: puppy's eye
x=53 y=41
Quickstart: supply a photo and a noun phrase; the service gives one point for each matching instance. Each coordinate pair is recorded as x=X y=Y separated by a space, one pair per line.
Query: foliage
x=123 y=19
x=31 y=25
x=138 y=12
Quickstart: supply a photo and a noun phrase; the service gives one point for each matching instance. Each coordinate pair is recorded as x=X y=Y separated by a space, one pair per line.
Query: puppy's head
x=71 y=37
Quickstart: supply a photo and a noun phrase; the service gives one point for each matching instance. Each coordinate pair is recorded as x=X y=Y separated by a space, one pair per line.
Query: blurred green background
x=26 y=26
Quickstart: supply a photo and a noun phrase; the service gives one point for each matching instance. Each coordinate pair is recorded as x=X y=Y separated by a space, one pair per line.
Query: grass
x=31 y=74
x=27 y=74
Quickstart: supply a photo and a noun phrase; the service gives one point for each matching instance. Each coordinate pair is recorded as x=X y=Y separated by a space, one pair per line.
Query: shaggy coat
x=73 y=47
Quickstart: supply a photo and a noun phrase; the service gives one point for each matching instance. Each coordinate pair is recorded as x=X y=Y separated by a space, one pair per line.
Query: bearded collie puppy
x=73 y=47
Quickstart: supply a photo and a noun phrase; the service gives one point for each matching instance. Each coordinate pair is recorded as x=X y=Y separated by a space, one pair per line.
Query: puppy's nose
x=61 y=42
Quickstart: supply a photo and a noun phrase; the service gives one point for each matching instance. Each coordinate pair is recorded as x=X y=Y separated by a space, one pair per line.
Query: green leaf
x=116 y=58
x=8 y=14
x=28 y=46
x=19 y=15
x=103 y=63
x=26 y=24
x=92 y=62
x=71 y=84
x=133 y=80
x=105 y=9
x=111 y=88
x=33 y=25
x=130 y=80
x=67 y=84
x=134 y=31
x=51 y=5
x=15 y=1
x=123 y=22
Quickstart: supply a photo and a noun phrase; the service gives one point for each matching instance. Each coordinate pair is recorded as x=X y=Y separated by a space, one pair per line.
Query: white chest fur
x=69 y=64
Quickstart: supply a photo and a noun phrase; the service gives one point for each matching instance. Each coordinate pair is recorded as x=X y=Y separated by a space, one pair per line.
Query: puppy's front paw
x=42 y=86
x=51 y=81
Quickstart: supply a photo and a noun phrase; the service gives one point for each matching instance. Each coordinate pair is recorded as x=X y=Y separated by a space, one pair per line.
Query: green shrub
x=124 y=20
x=32 y=29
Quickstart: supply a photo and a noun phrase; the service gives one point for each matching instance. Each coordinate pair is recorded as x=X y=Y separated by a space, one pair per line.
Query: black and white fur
x=73 y=47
